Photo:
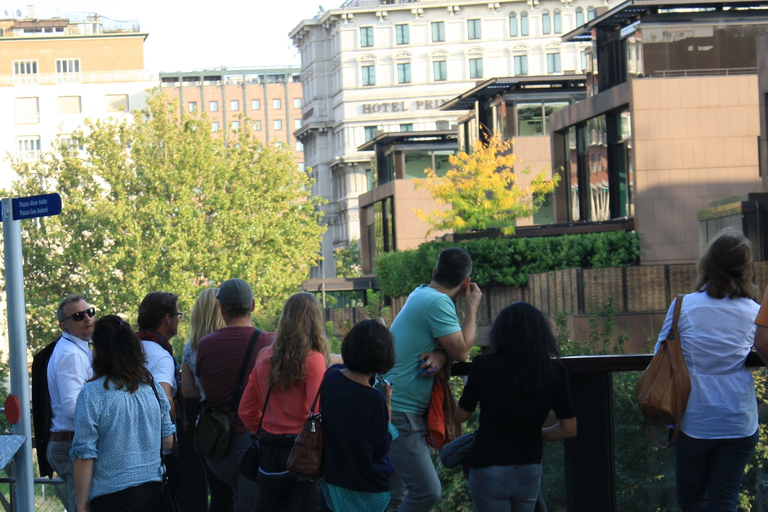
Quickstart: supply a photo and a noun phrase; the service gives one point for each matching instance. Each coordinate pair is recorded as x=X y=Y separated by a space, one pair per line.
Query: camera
x=380 y=383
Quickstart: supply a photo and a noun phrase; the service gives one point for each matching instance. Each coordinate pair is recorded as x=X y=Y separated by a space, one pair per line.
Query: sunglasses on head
x=78 y=317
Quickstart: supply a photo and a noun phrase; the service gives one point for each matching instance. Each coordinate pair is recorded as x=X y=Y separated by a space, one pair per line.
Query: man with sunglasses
x=68 y=369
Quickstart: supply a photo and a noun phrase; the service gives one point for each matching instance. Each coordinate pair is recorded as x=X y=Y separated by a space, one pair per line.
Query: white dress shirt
x=68 y=369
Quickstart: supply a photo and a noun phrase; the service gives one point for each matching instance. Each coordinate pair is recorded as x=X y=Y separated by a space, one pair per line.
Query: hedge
x=508 y=261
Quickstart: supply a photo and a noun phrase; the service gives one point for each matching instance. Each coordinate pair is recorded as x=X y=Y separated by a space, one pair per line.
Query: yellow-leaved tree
x=482 y=187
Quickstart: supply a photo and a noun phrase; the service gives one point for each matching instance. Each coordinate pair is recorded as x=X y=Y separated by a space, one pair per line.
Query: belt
x=66 y=435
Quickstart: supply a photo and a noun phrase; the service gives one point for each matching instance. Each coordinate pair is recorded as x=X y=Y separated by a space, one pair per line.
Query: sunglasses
x=78 y=317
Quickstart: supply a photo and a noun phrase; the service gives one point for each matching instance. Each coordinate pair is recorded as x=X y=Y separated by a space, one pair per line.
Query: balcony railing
x=93 y=77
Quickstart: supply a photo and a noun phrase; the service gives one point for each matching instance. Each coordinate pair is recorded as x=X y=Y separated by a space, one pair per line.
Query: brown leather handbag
x=664 y=387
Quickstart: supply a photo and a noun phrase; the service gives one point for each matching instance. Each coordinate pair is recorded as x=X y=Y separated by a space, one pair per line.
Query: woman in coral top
x=290 y=371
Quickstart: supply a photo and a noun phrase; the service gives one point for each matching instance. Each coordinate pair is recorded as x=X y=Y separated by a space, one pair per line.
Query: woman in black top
x=516 y=385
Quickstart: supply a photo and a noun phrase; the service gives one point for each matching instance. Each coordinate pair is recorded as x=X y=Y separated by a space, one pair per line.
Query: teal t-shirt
x=427 y=315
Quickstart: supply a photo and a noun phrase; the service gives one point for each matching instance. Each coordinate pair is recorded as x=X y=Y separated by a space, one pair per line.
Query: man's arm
x=563 y=429
x=459 y=344
x=167 y=388
x=71 y=373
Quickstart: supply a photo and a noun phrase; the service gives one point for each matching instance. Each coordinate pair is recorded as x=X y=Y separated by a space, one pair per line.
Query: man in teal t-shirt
x=428 y=321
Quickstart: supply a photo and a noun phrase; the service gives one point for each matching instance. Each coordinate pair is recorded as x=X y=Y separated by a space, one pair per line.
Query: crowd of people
x=124 y=411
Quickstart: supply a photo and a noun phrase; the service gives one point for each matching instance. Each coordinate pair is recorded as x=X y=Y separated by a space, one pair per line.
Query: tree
x=348 y=260
x=482 y=188
x=157 y=203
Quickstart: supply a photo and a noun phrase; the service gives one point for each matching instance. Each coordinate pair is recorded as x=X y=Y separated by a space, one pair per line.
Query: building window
x=70 y=145
x=29 y=148
x=440 y=69
x=591 y=13
x=521 y=64
x=255 y=104
x=404 y=73
x=558 y=17
x=297 y=124
x=277 y=104
x=524 y=24
x=476 y=68
x=257 y=126
x=299 y=146
x=117 y=103
x=67 y=70
x=296 y=102
x=474 y=29
x=406 y=127
x=213 y=106
x=70 y=105
x=192 y=106
x=579 y=16
x=25 y=71
x=235 y=126
x=402 y=34
x=27 y=111
x=546 y=23
x=553 y=63
x=366 y=37
x=583 y=61
x=369 y=75
x=513 y=24
x=370 y=133
x=438 y=31
x=234 y=105
x=214 y=126
x=277 y=124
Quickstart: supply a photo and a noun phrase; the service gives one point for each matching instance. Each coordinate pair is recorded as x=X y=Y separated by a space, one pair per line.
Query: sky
x=199 y=34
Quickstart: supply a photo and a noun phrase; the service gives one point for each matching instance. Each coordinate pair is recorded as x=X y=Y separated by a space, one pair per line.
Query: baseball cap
x=234 y=291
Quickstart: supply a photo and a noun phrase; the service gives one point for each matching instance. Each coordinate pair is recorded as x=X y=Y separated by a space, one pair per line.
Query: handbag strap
x=261 y=420
x=238 y=392
x=320 y=389
x=675 y=352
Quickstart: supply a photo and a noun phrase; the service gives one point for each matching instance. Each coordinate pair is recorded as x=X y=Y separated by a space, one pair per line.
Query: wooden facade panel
x=645 y=289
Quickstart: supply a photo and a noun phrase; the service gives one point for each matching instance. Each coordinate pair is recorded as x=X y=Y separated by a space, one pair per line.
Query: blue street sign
x=36 y=206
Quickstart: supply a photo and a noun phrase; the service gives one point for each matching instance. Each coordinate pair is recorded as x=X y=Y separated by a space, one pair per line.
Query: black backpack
x=41 y=407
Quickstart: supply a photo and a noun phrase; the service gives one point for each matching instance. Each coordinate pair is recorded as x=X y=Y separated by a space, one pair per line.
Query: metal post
x=17 y=334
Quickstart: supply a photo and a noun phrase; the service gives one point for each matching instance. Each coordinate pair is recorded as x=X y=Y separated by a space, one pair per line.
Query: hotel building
x=374 y=67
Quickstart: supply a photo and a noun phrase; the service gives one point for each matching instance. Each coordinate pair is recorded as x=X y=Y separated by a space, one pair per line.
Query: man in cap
x=219 y=359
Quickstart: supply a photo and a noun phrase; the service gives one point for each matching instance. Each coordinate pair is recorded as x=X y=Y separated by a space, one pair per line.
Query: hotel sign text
x=402 y=106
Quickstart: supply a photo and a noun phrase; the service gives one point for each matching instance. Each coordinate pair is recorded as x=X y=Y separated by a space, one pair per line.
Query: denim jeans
x=228 y=470
x=708 y=472
x=61 y=462
x=505 y=488
x=414 y=485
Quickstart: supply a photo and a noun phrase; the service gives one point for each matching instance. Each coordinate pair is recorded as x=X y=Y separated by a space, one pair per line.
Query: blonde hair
x=205 y=317
x=726 y=268
x=300 y=330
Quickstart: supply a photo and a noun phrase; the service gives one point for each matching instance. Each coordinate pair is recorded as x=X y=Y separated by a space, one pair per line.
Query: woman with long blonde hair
x=287 y=375
x=204 y=319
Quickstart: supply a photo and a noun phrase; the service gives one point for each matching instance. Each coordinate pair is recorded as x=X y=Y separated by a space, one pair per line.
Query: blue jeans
x=61 y=462
x=228 y=470
x=708 y=472
x=414 y=485
x=505 y=488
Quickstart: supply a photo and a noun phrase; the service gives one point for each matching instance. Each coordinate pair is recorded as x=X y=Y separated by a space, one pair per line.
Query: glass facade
x=381 y=227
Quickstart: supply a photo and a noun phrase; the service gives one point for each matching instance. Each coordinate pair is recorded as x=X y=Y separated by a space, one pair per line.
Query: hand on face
x=82 y=329
x=472 y=295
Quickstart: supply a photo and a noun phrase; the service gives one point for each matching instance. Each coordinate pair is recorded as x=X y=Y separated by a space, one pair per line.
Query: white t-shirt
x=160 y=364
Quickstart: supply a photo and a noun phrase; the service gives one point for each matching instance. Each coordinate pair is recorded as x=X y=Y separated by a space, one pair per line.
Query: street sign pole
x=17 y=333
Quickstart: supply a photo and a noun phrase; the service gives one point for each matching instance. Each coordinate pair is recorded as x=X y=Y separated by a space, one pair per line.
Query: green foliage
x=333 y=341
x=508 y=261
x=348 y=262
x=158 y=203
x=375 y=305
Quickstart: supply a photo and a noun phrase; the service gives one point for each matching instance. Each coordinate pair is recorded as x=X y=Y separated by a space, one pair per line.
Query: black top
x=510 y=420
x=355 y=434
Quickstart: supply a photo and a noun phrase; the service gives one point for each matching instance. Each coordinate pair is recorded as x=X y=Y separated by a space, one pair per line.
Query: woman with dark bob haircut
x=516 y=385
x=121 y=417
x=356 y=416
x=717 y=329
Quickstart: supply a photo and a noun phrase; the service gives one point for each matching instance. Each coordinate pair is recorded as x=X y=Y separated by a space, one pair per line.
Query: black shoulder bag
x=214 y=426
x=168 y=501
